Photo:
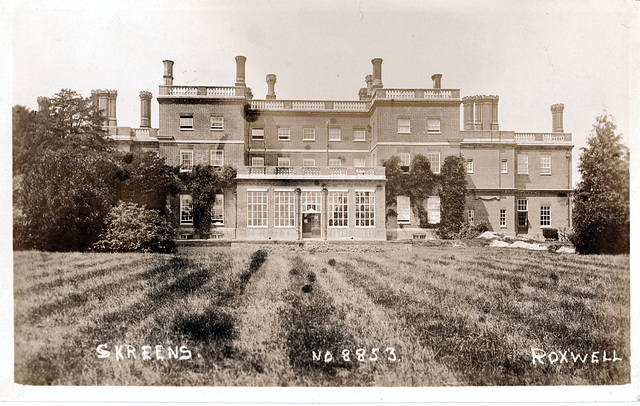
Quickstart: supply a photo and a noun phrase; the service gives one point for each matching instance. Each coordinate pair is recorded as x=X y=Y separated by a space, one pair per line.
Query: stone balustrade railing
x=248 y=172
x=203 y=91
x=542 y=137
x=419 y=94
x=309 y=105
x=145 y=133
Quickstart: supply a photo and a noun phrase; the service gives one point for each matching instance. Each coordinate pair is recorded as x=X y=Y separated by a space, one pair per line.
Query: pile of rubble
x=507 y=241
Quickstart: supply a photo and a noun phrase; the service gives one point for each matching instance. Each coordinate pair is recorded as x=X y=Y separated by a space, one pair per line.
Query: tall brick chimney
x=556 y=118
x=105 y=100
x=145 y=109
x=467 y=102
x=168 y=72
x=271 y=82
x=112 y=108
x=437 y=80
x=377 y=74
x=240 y=63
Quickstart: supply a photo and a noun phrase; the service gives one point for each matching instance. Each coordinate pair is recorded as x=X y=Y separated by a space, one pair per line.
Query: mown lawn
x=438 y=316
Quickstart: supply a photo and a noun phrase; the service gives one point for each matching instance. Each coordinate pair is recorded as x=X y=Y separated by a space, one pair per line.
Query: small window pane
x=335 y=134
x=257 y=133
x=186 y=122
x=404 y=125
x=217 y=122
x=217 y=157
x=284 y=134
x=358 y=135
x=309 y=134
x=433 y=125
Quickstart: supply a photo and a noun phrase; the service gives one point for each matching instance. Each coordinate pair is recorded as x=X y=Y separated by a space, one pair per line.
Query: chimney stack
x=103 y=100
x=240 y=63
x=437 y=78
x=271 y=82
x=556 y=118
x=145 y=109
x=377 y=74
x=168 y=72
x=112 y=108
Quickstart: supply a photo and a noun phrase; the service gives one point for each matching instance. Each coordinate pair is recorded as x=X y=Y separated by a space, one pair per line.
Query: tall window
x=217 y=157
x=405 y=160
x=504 y=166
x=335 y=134
x=359 y=135
x=186 y=160
x=186 y=121
x=403 y=204
x=311 y=201
x=186 y=209
x=545 y=164
x=545 y=216
x=338 y=209
x=365 y=209
x=257 y=133
x=217 y=122
x=359 y=162
x=503 y=217
x=284 y=133
x=309 y=162
x=469 y=165
x=433 y=125
x=284 y=209
x=523 y=164
x=217 y=210
x=335 y=163
x=434 y=160
x=308 y=134
x=257 y=208
x=404 y=126
x=257 y=161
x=471 y=217
x=284 y=161
x=433 y=209
x=523 y=215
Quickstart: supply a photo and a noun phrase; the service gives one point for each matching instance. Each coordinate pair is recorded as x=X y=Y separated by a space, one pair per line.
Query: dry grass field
x=430 y=316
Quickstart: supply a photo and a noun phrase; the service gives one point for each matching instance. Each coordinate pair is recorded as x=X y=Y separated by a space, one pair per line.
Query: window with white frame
x=405 y=160
x=217 y=157
x=434 y=160
x=335 y=163
x=335 y=134
x=403 y=204
x=217 y=122
x=186 y=121
x=503 y=217
x=433 y=125
x=308 y=134
x=284 y=133
x=523 y=212
x=311 y=201
x=469 y=165
x=545 y=164
x=471 y=217
x=257 y=133
x=186 y=209
x=359 y=134
x=359 y=162
x=217 y=210
x=186 y=160
x=338 y=209
x=433 y=209
x=404 y=126
x=365 y=208
x=284 y=208
x=257 y=202
x=257 y=161
x=504 y=167
x=284 y=161
x=523 y=164
x=545 y=216
x=308 y=162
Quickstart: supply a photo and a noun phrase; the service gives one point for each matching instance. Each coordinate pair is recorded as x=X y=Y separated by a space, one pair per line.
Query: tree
x=65 y=179
x=203 y=183
x=453 y=180
x=601 y=220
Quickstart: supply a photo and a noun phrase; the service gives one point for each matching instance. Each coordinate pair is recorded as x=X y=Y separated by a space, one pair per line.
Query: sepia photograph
x=399 y=201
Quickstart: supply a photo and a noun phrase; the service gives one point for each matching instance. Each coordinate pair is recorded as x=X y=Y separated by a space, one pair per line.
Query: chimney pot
x=271 y=82
x=168 y=72
x=437 y=80
x=240 y=65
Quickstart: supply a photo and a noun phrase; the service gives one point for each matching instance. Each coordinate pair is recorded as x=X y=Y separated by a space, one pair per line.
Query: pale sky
x=532 y=53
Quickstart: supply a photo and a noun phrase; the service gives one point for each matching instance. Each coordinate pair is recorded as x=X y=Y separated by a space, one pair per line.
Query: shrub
x=550 y=234
x=130 y=227
x=332 y=262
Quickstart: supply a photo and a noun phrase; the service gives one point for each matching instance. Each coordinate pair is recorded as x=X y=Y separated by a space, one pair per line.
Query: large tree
x=65 y=178
x=453 y=180
x=601 y=199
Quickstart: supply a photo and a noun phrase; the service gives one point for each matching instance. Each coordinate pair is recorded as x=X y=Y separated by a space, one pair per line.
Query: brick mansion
x=312 y=169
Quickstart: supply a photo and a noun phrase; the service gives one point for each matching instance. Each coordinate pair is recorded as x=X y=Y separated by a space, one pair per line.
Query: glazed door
x=311 y=225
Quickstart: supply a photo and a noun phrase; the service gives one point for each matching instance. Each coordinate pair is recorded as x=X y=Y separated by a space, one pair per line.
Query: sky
x=531 y=54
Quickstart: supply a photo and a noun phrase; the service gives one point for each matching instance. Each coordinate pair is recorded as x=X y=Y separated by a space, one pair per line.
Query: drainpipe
x=324 y=217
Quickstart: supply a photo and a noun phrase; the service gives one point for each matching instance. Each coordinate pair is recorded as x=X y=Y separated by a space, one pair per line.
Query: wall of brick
x=560 y=169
